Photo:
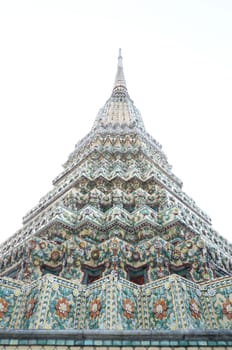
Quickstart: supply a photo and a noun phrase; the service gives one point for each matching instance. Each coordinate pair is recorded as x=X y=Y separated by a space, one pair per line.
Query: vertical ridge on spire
x=120 y=82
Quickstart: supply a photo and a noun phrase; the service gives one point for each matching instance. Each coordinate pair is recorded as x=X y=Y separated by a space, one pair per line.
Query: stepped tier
x=116 y=243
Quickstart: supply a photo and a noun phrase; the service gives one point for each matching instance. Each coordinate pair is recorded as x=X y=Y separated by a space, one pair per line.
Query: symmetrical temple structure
x=116 y=254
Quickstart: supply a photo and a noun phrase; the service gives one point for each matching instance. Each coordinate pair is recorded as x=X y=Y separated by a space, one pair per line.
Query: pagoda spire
x=120 y=82
x=119 y=111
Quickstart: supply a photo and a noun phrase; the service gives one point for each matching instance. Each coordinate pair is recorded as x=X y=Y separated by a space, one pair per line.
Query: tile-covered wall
x=170 y=303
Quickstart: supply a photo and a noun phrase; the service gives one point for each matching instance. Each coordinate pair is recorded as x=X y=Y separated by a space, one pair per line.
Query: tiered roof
x=116 y=236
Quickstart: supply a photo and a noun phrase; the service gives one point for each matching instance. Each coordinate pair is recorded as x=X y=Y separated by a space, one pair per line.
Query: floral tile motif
x=161 y=306
x=227 y=308
x=219 y=299
x=114 y=303
x=62 y=308
x=8 y=303
x=160 y=309
x=3 y=307
x=94 y=308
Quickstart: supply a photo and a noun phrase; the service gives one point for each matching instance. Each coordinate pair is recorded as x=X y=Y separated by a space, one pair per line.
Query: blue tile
x=154 y=343
x=23 y=341
x=173 y=343
x=145 y=342
x=79 y=342
x=202 y=343
x=107 y=342
x=221 y=343
x=164 y=342
x=98 y=342
x=193 y=343
x=135 y=343
x=183 y=343
x=60 y=342
x=117 y=343
x=69 y=342
x=126 y=343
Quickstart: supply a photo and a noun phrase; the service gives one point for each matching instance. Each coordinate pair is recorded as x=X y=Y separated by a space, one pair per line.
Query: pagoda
x=116 y=254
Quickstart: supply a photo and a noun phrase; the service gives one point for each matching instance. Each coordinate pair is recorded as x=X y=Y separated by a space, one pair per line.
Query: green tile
x=183 y=343
x=202 y=343
x=221 y=343
x=164 y=343
x=4 y=341
x=154 y=343
x=98 y=342
x=212 y=343
x=135 y=343
x=107 y=342
x=193 y=343
x=117 y=343
x=79 y=342
x=145 y=342
x=173 y=343
x=126 y=343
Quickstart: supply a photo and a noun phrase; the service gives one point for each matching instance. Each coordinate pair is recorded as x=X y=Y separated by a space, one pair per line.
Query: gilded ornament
x=16 y=292
x=175 y=211
x=43 y=245
x=36 y=262
x=55 y=286
x=176 y=254
x=75 y=292
x=82 y=245
x=206 y=276
x=119 y=286
x=195 y=265
x=77 y=262
x=95 y=254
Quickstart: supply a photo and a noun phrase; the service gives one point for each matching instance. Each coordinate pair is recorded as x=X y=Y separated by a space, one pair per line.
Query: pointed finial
x=120 y=82
x=120 y=58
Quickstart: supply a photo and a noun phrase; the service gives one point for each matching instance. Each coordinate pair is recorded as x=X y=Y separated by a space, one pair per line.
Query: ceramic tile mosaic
x=116 y=244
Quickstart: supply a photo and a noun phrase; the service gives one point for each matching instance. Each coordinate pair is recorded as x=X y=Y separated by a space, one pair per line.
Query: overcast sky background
x=57 y=67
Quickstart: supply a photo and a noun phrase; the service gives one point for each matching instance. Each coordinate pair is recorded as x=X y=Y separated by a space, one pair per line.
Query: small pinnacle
x=120 y=58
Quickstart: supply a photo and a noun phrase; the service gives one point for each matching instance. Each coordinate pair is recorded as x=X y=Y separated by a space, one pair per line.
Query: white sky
x=57 y=66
